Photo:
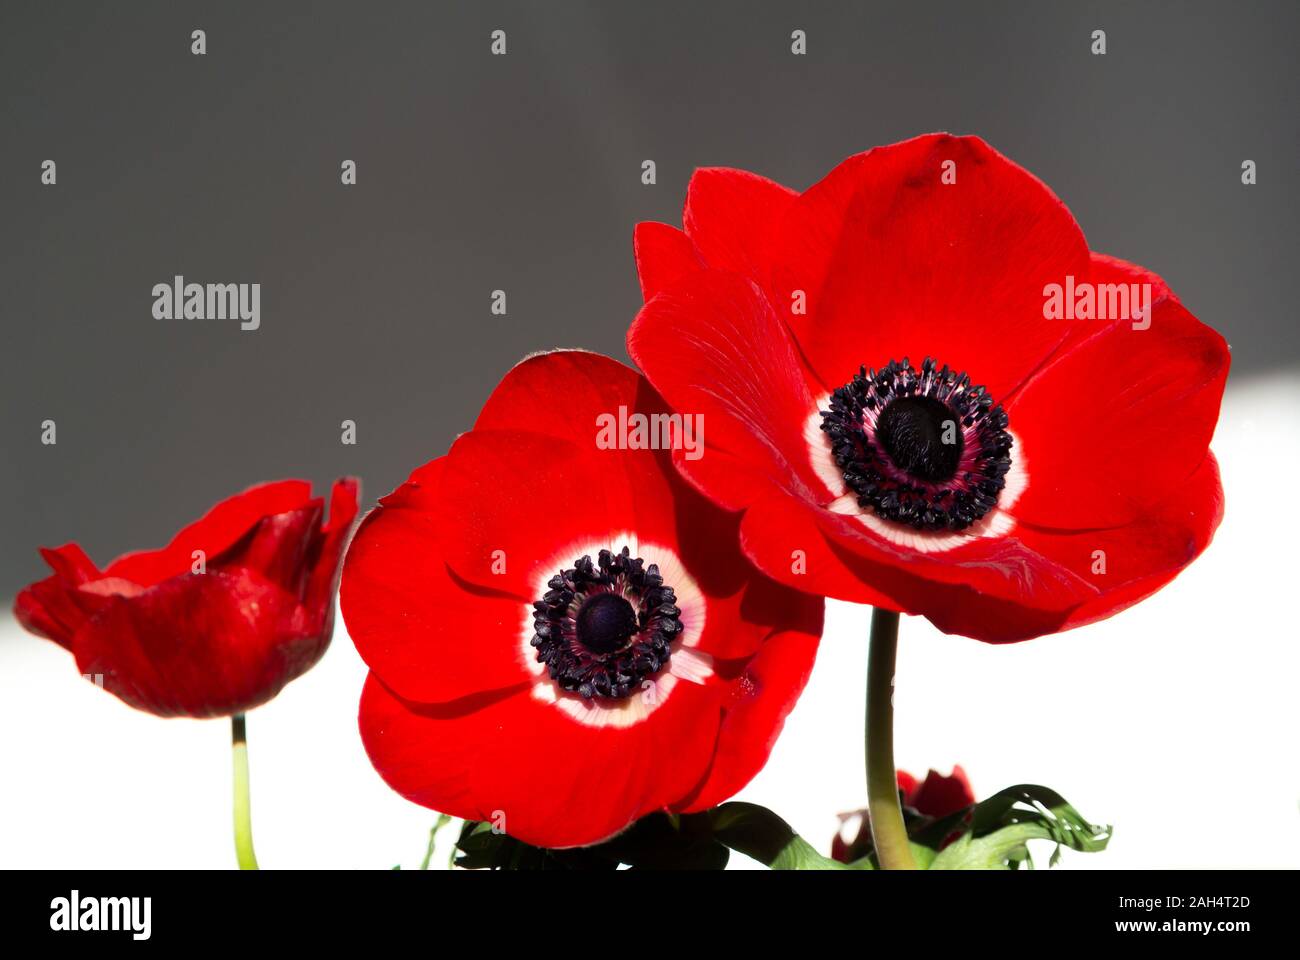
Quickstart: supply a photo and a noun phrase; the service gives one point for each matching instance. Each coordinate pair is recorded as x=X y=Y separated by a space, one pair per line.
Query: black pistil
x=606 y=623
x=920 y=435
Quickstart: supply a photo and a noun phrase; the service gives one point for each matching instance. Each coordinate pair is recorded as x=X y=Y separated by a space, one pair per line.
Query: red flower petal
x=276 y=548
x=907 y=783
x=426 y=752
x=896 y=263
x=1121 y=420
x=938 y=796
x=57 y=606
x=543 y=504
x=756 y=703
x=546 y=778
x=543 y=420
x=199 y=645
x=712 y=346
x=51 y=607
x=1129 y=563
x=224 y=524
x=728 y=481
x=430 y=636
x=562 y=393
x=561 y=783
x=781 y=537
x=70 y=563
x=46 y=608
x=664 y=254
x=994 y=590
x=730 y=216
x=511 y=543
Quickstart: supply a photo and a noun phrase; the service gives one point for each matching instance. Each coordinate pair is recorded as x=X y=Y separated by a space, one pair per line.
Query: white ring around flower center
x=998 y=522
x=685 y=663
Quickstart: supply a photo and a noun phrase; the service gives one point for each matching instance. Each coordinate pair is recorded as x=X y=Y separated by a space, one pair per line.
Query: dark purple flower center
x=911 y=429
x=606 y=622
x=605 y=627
x=922 y=447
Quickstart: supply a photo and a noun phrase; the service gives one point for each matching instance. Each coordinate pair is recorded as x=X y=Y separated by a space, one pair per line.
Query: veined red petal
x=730 y=216
x=713 y=346
x=664 y=254
x=1129 y=563
x=726 y=480
x=198 y=645
x=562 y=783
x=755 y=705
x=997 y=591
x=426 y=752
x=542 y=776
x=430 y=636
x=548 y=498
x=1119 y=421
x=888 y=260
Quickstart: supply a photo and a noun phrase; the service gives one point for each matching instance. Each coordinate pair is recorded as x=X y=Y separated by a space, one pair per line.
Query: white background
x=1176 y=721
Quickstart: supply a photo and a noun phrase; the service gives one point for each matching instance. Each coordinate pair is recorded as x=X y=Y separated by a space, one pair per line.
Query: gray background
x=523 y=172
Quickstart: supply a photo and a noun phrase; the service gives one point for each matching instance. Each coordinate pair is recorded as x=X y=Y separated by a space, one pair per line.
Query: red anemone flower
x=216 y=622
x=936 y=796
x=925 y=393
x=562 y=636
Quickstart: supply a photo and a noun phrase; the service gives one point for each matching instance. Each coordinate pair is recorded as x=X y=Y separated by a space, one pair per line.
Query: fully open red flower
x=911 y=398
x=564 y=638
x=215 y=623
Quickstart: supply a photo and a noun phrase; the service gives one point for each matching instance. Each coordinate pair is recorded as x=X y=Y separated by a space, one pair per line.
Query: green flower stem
x=887 y=828
x=243 y=812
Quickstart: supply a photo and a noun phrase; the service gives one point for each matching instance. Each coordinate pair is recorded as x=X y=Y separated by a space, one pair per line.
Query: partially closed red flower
x=919 y=380
x=936 y=796
x=564 y=638
x=215 y=623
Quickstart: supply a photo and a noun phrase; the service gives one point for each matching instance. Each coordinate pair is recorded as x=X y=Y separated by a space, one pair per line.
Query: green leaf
x=759 y=833
x=924 y=856
x=995 y=832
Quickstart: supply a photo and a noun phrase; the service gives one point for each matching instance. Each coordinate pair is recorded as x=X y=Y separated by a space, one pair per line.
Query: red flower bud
x=215 y=623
